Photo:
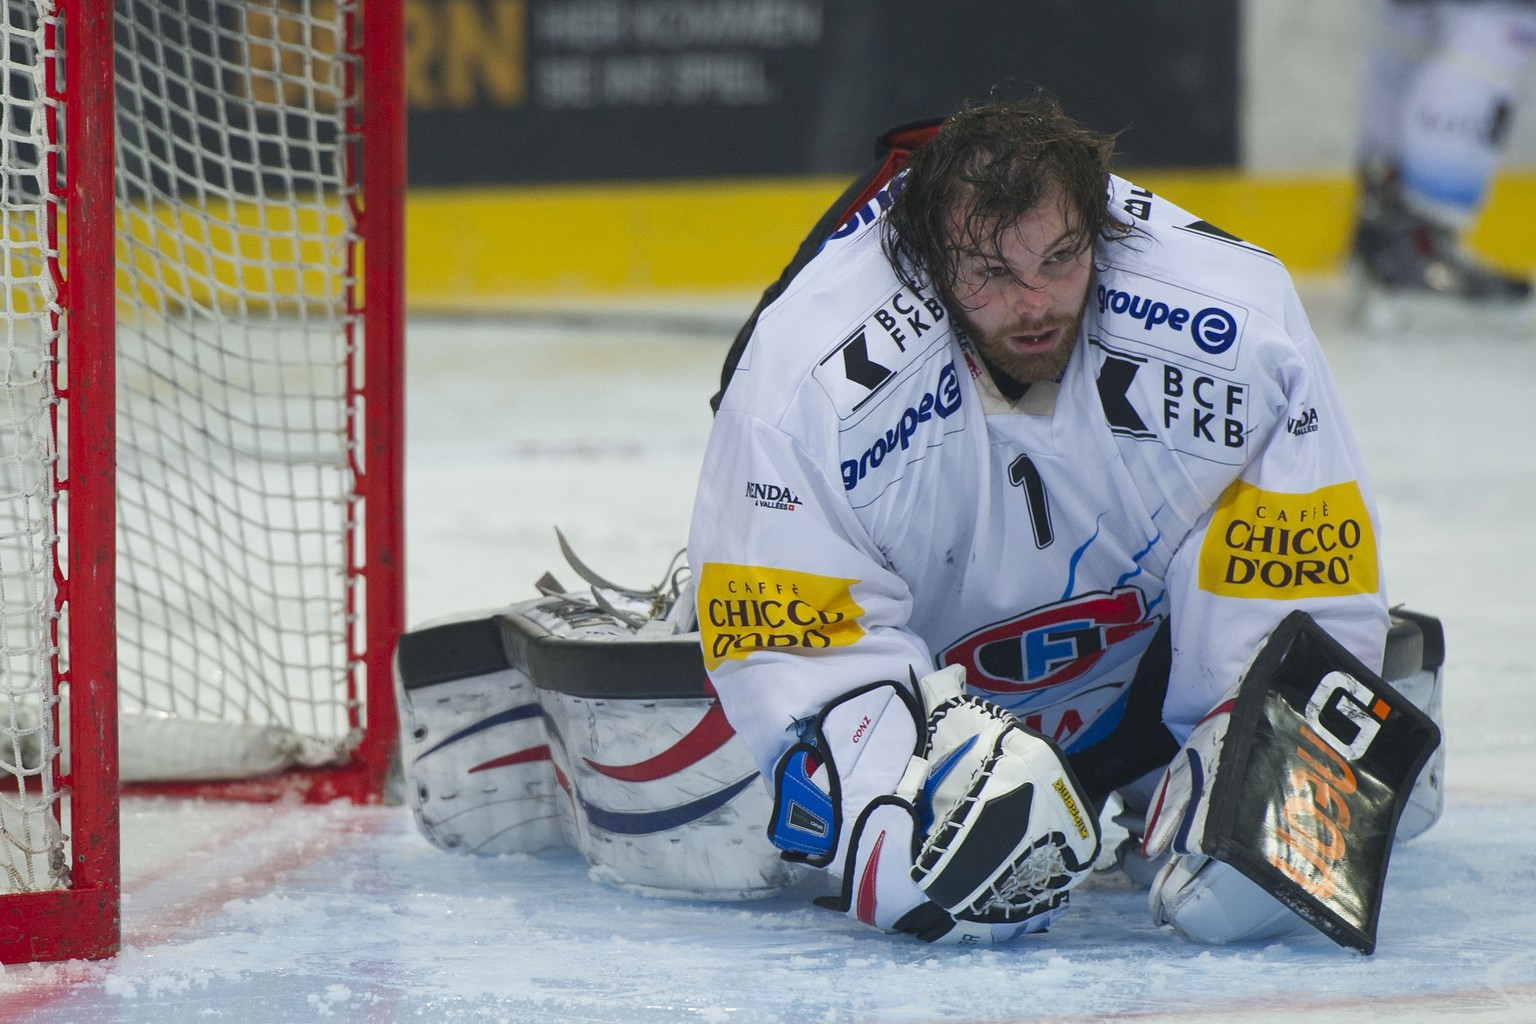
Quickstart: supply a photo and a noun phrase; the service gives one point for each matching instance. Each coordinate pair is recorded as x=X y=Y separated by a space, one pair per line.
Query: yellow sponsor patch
x=747 y=608
x=1284 y=546
x=1066 y=798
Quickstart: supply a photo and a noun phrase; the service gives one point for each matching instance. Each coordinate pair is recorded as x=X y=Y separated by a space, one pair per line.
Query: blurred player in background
x=1435 y=111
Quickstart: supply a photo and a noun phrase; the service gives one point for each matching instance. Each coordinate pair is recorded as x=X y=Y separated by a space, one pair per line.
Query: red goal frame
x=83 y=919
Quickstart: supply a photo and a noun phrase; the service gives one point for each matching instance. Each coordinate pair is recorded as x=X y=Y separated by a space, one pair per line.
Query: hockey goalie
x=1028 y=493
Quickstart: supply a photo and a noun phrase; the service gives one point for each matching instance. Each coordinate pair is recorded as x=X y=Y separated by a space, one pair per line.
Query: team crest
x=1056 y=644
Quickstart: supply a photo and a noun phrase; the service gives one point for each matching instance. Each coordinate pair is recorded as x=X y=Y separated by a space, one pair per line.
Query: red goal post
x=201 y=443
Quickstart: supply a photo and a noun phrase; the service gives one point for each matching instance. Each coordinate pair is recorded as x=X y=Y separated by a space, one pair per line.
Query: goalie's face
x=1020 y=297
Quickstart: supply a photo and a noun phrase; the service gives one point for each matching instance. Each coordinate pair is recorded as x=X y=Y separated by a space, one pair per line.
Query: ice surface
x=596 y=425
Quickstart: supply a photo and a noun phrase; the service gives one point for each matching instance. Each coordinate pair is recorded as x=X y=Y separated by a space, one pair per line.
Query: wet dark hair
x=992 y=163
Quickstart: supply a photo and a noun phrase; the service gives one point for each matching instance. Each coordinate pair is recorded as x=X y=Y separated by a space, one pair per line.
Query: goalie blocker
x=1315 y=770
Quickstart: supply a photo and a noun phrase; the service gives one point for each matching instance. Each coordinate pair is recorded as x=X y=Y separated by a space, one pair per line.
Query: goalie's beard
x=1002 y=355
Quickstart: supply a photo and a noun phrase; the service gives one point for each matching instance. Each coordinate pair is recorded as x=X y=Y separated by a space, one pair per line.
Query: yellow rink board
x=481 y=249
x=474 y=248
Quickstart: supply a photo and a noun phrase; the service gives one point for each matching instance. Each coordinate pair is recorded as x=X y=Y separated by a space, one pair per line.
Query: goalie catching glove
x=953 y=823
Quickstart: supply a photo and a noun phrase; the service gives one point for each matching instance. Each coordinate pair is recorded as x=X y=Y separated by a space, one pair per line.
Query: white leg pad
x=1213 y=903
x=1426 y=800
x=477 y=766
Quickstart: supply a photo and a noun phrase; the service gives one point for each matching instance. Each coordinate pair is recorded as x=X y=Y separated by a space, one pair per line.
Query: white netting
x=236 y=387
x=239 y=401
x=31 y=843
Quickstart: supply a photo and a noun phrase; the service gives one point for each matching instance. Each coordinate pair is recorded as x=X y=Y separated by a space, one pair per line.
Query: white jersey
x=872 y=507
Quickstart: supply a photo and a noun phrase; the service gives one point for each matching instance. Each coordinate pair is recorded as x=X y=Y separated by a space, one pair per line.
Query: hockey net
x=225 y=240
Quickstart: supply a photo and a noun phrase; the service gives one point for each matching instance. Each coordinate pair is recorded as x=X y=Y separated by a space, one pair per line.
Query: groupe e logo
x=1213 y=328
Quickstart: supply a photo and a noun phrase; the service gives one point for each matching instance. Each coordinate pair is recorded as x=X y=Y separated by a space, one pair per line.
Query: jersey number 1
x=1024 y=474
